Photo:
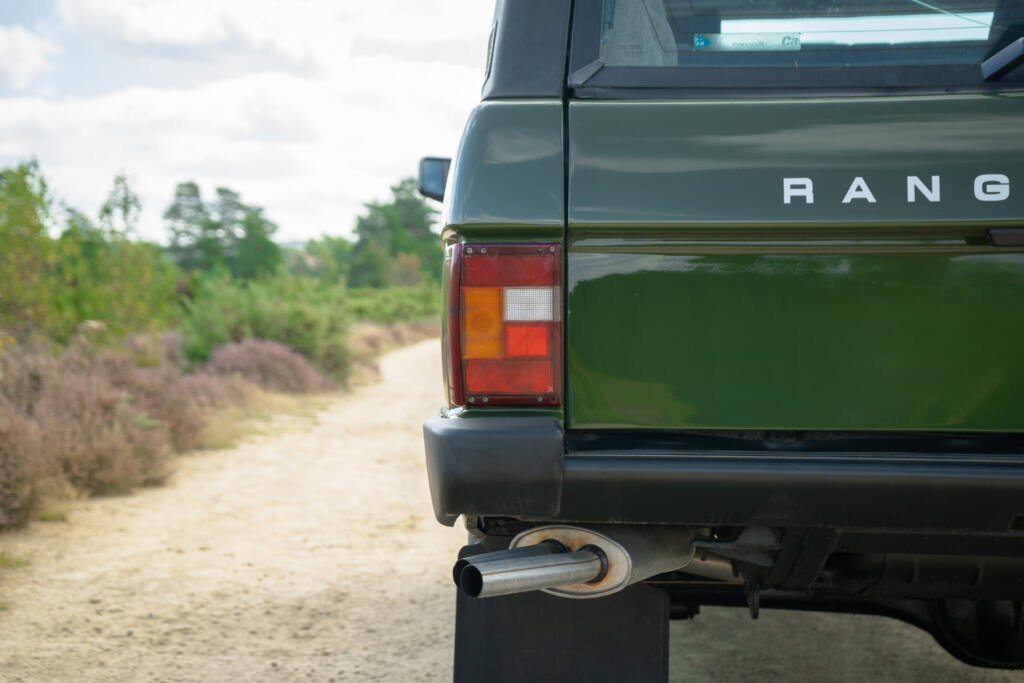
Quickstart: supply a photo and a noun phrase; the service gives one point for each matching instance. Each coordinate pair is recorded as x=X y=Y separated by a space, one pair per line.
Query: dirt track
x=312 y=555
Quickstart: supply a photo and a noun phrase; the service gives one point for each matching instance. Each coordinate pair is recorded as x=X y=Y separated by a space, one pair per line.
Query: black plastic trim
x=876 y=492
x=793 y=443
x=494 y=466
x=1004 y=61
x=1006 y=237
x=528 y=50
x=518 y=467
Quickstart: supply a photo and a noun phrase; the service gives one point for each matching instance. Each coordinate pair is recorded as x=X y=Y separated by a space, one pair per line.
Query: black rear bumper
x=521 y=467
x=502 y=466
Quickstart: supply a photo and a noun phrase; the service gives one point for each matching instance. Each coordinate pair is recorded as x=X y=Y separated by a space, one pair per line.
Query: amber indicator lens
x=510 y=324
x=481 y=314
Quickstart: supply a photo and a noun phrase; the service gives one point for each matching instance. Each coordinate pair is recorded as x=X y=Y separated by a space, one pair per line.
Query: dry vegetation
x=97 y=421
x=268 y=364
x=368 y=340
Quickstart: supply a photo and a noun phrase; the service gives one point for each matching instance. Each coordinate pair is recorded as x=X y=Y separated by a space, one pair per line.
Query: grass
x=8 y=561
x=223 y=430
x=226 y=427
x=52 y=515
x=307 y=405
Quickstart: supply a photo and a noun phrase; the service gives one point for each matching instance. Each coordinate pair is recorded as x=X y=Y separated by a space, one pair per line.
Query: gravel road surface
x=312 y=554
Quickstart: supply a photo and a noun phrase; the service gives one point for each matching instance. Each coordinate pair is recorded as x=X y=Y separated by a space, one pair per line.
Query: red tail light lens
x=504 y=325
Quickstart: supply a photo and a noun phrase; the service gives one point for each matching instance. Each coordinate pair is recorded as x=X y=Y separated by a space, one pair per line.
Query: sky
x=308 y=108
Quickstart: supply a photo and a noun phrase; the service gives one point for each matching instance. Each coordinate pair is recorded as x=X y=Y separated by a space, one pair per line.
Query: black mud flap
x=538 y=637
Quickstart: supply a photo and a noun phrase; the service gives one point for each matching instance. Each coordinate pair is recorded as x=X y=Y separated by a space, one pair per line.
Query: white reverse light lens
x=529 y=304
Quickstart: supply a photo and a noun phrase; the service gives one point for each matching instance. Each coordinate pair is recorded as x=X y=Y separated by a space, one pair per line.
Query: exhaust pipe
x=521 y=574
x=583 y=563
x=540 y=549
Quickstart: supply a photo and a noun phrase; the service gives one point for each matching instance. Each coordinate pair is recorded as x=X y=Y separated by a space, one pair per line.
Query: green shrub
x=308 y=316
x=100 y=275
x=396 y=304
x=127 y=286
x=27 y=254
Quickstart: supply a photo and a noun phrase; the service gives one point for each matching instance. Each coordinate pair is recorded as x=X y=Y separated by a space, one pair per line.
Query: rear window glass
x=781 y=38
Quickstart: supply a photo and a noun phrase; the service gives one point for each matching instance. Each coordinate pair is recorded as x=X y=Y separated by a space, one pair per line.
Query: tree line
x=394 y=244
x=61 y=267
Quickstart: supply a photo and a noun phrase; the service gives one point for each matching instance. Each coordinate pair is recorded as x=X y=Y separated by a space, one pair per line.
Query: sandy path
x=269 y=561
x=312 y=555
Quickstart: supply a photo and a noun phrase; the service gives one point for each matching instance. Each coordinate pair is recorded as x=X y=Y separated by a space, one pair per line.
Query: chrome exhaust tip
x=579 y=562
x=543 y=548
x=532 y=572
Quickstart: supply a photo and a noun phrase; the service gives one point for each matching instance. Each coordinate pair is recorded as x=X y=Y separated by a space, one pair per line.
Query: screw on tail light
x=504 y=326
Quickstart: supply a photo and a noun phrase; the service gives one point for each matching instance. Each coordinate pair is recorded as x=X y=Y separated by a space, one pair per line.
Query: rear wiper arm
x=1004 y=61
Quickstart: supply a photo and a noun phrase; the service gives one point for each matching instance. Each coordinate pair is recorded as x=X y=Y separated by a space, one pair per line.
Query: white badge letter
x=991 y=187
x=858 y=190
x=797 y=187
x=930 y=193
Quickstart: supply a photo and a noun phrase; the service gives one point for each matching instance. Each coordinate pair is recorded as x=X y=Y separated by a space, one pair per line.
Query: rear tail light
x=504 y=333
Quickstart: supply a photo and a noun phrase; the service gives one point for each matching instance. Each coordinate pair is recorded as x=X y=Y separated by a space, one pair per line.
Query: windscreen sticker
x=747 y=42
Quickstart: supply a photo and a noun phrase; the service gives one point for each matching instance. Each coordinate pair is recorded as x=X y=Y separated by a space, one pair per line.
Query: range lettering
x=988 y=187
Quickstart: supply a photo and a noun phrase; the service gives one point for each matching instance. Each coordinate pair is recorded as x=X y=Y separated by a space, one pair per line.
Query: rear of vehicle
x=745 y=282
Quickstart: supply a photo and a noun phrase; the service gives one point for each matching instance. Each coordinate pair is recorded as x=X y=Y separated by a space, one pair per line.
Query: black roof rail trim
x=528 y=47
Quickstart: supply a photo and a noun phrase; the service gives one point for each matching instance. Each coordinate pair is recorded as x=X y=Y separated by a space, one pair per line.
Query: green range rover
x=734 y=315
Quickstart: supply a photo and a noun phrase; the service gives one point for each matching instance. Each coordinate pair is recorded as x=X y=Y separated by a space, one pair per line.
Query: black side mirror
x=433 y=177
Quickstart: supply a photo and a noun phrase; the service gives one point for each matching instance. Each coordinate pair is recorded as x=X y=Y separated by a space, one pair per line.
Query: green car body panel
x=696 y=163
x=833 y=341
x=699 y=299
x=507 y=178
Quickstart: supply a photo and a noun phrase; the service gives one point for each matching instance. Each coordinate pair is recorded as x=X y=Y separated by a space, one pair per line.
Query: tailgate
x=704 y=294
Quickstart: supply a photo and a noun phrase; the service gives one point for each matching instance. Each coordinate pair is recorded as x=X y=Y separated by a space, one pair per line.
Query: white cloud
x=310 y=144
x=23 y=55
x=168 y=22
x=319 y=30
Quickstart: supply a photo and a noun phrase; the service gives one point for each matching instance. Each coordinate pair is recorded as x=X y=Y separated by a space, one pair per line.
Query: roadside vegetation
x=116 y=353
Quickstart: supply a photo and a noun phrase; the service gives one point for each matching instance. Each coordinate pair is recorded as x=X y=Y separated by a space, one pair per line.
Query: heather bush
x=23 y=465
x=93 y=419
x=155 y=349
x=269 y=364
x=23 y=377
x=100 y=442
x=152 y=393
x=170 y=346
x=424 y=329
x=368 y=340
x=210 y=391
